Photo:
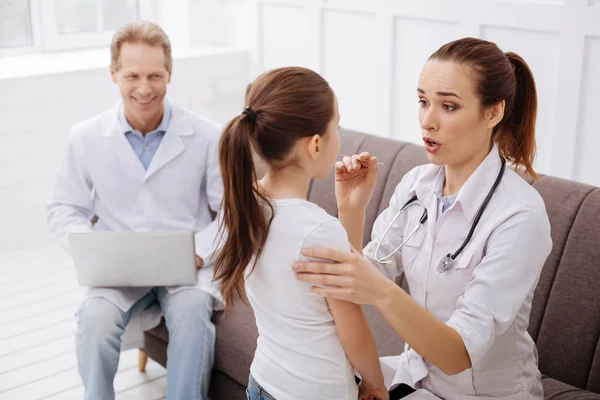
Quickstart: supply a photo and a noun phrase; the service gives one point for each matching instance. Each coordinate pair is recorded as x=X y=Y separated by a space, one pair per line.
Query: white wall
x=37 y=108
x=372 y=53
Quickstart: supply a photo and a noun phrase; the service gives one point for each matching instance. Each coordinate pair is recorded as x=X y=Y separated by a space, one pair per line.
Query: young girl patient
x=308 y=347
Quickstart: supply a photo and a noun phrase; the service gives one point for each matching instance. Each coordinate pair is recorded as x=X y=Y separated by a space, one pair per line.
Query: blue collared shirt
x=145 y=146
x=447 y=201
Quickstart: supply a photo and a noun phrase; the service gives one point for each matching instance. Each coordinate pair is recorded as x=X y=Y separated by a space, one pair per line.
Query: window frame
x=36 y=34
x=46 y=38
x=52 y=40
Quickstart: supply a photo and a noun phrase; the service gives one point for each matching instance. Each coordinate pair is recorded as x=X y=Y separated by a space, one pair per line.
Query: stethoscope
x=446 y=262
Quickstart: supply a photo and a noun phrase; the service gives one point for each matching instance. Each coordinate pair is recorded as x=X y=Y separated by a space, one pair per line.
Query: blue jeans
x=190 y=353
x=256 y=392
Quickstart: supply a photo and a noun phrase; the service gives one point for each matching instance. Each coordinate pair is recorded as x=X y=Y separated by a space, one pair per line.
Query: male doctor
x=144 y=164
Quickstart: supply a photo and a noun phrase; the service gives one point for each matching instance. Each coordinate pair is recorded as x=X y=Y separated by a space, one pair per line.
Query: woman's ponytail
x=517 y=142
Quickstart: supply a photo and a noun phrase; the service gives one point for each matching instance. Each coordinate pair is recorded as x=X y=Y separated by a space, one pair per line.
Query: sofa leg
x=142 y=361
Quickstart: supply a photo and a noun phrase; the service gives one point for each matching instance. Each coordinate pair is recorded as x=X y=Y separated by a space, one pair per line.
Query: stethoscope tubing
x=448 y=260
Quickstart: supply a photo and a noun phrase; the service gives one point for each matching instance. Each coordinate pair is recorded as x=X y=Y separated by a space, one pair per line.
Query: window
x=93 y=15
x=15 y=24
x=69 y=24
x=34 y=25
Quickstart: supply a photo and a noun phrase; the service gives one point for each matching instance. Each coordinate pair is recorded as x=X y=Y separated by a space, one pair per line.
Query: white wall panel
x=540 y=51
x=27 y=169
x=350 y=66
x=15 y=146
x=537 y=1
x=284 y=39
x=587 y=161
x=41 y=90
x=23 y=215
x=53 y=113
x=415 y=41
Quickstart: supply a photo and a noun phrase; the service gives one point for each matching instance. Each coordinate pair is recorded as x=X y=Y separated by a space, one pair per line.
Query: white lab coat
x=100 y=175
x=487 y=295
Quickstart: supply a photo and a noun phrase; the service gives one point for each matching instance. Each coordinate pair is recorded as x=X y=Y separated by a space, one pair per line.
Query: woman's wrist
x=354 y=223
x=388 y=291
x=351 y=209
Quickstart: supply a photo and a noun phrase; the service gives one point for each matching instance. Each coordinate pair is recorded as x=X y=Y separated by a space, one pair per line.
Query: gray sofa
x=565 y=318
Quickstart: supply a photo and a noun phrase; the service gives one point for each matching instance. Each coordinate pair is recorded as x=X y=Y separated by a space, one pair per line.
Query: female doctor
x=469 y=234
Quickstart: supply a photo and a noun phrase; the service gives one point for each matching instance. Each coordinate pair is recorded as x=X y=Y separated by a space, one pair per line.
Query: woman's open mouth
x=431 y=146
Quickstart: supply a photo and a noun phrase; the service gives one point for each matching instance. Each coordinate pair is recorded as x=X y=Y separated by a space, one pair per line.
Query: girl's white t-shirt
x=299 y=353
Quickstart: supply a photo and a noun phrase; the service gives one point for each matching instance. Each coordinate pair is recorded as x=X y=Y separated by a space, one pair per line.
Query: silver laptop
x=113 y=259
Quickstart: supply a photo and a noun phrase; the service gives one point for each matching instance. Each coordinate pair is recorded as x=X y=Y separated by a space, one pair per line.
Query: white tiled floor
x=38 y=297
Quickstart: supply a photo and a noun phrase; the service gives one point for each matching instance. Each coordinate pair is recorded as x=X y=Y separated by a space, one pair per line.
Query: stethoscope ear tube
x=384 y=259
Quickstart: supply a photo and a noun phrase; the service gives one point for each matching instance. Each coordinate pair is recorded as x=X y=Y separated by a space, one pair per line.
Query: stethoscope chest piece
x=445 y=264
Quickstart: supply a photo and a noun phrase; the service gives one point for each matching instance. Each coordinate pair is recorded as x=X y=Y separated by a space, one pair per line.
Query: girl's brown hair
x=283 y=106
x=501 y=76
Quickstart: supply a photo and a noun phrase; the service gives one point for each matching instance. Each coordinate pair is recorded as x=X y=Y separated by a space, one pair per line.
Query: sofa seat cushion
x=556 y=390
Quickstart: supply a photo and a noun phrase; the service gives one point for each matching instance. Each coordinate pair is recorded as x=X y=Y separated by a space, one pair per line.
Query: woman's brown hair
x=501 y=76
x=282 y=106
